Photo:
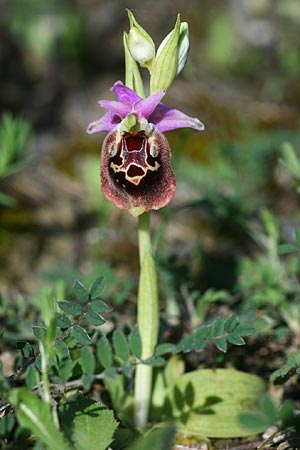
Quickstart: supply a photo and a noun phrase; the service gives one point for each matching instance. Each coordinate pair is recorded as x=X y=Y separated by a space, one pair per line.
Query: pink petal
x=106 y=123
x=166 y=119
x=119 y=108
x=124 y=93
x=146 y=106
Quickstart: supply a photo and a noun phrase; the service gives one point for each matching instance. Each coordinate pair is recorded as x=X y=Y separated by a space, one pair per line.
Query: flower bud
x=140 y=44
x=184 y=44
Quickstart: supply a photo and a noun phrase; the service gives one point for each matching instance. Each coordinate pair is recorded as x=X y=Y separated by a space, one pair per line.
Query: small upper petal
x=106 y=123
x=145 y=107
x=166 y=119
x=125 y=94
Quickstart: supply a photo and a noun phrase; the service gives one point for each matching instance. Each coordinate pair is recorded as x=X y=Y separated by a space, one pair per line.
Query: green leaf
x=97 y=288
x=81 y=335
x=231 y=323
x=244 y=330
x=218 y=326
x=236 y=339
x=219 y=396
x=162 y=349
x=135 y=342
x=121 y=345
x=32 y=377
x=288 y=369
x=39 y=332
x=269 y=408
x=65 y=369
x=160 y=438
x=127 y=369
x=297 y=236
x=104 y=352
x=87 y=361
x=26 y=349
x=6 y=424
x=87 y=381
x=81 y=292
x=87 y=423
x=70 y=308
x=94 y=318
x=253 y=421
x=221 y=343
x=99 y=306
x=35 y=415
x=156 y=361
x=284 y=249
x=62 y=321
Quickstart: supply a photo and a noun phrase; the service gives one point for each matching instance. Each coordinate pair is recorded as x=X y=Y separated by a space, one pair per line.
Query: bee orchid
x=135 y=164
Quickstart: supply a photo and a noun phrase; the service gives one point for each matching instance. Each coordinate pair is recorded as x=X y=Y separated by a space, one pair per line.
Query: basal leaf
x=219 y=396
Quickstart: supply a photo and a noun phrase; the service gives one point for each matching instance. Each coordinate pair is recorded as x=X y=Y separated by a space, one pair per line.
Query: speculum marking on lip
x=133 y=158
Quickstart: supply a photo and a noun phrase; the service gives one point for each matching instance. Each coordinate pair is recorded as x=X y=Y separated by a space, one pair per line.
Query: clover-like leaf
x=81 y=335
x=81 y=292
x=71 y=308
x=97 y=287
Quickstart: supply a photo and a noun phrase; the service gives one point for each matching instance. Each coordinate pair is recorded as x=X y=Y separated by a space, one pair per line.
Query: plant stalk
x=148 y=321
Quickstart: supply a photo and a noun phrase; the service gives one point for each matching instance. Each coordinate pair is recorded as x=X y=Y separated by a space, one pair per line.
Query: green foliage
x=220 y=332
x=269 y=413
x=35 y=415
x=287 y=370
x=160 y=438
x=87 y=424
x=14 y=137
x=208 y=402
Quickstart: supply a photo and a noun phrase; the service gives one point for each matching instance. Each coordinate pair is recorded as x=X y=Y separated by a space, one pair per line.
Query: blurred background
x=59 y=57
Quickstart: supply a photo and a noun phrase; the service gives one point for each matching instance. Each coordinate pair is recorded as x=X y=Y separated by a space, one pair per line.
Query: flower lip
x=163 y=117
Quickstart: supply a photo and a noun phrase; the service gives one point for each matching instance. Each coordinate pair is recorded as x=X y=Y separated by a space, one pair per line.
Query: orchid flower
x=135 y=164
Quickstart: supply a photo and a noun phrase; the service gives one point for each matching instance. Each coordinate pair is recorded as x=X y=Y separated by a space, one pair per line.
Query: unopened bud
x=140 y=44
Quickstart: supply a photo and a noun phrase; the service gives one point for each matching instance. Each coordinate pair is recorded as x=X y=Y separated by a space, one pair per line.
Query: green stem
x=148 y=321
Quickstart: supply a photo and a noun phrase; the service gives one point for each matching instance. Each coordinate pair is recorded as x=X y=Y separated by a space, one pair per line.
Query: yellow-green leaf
x=218 y=397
